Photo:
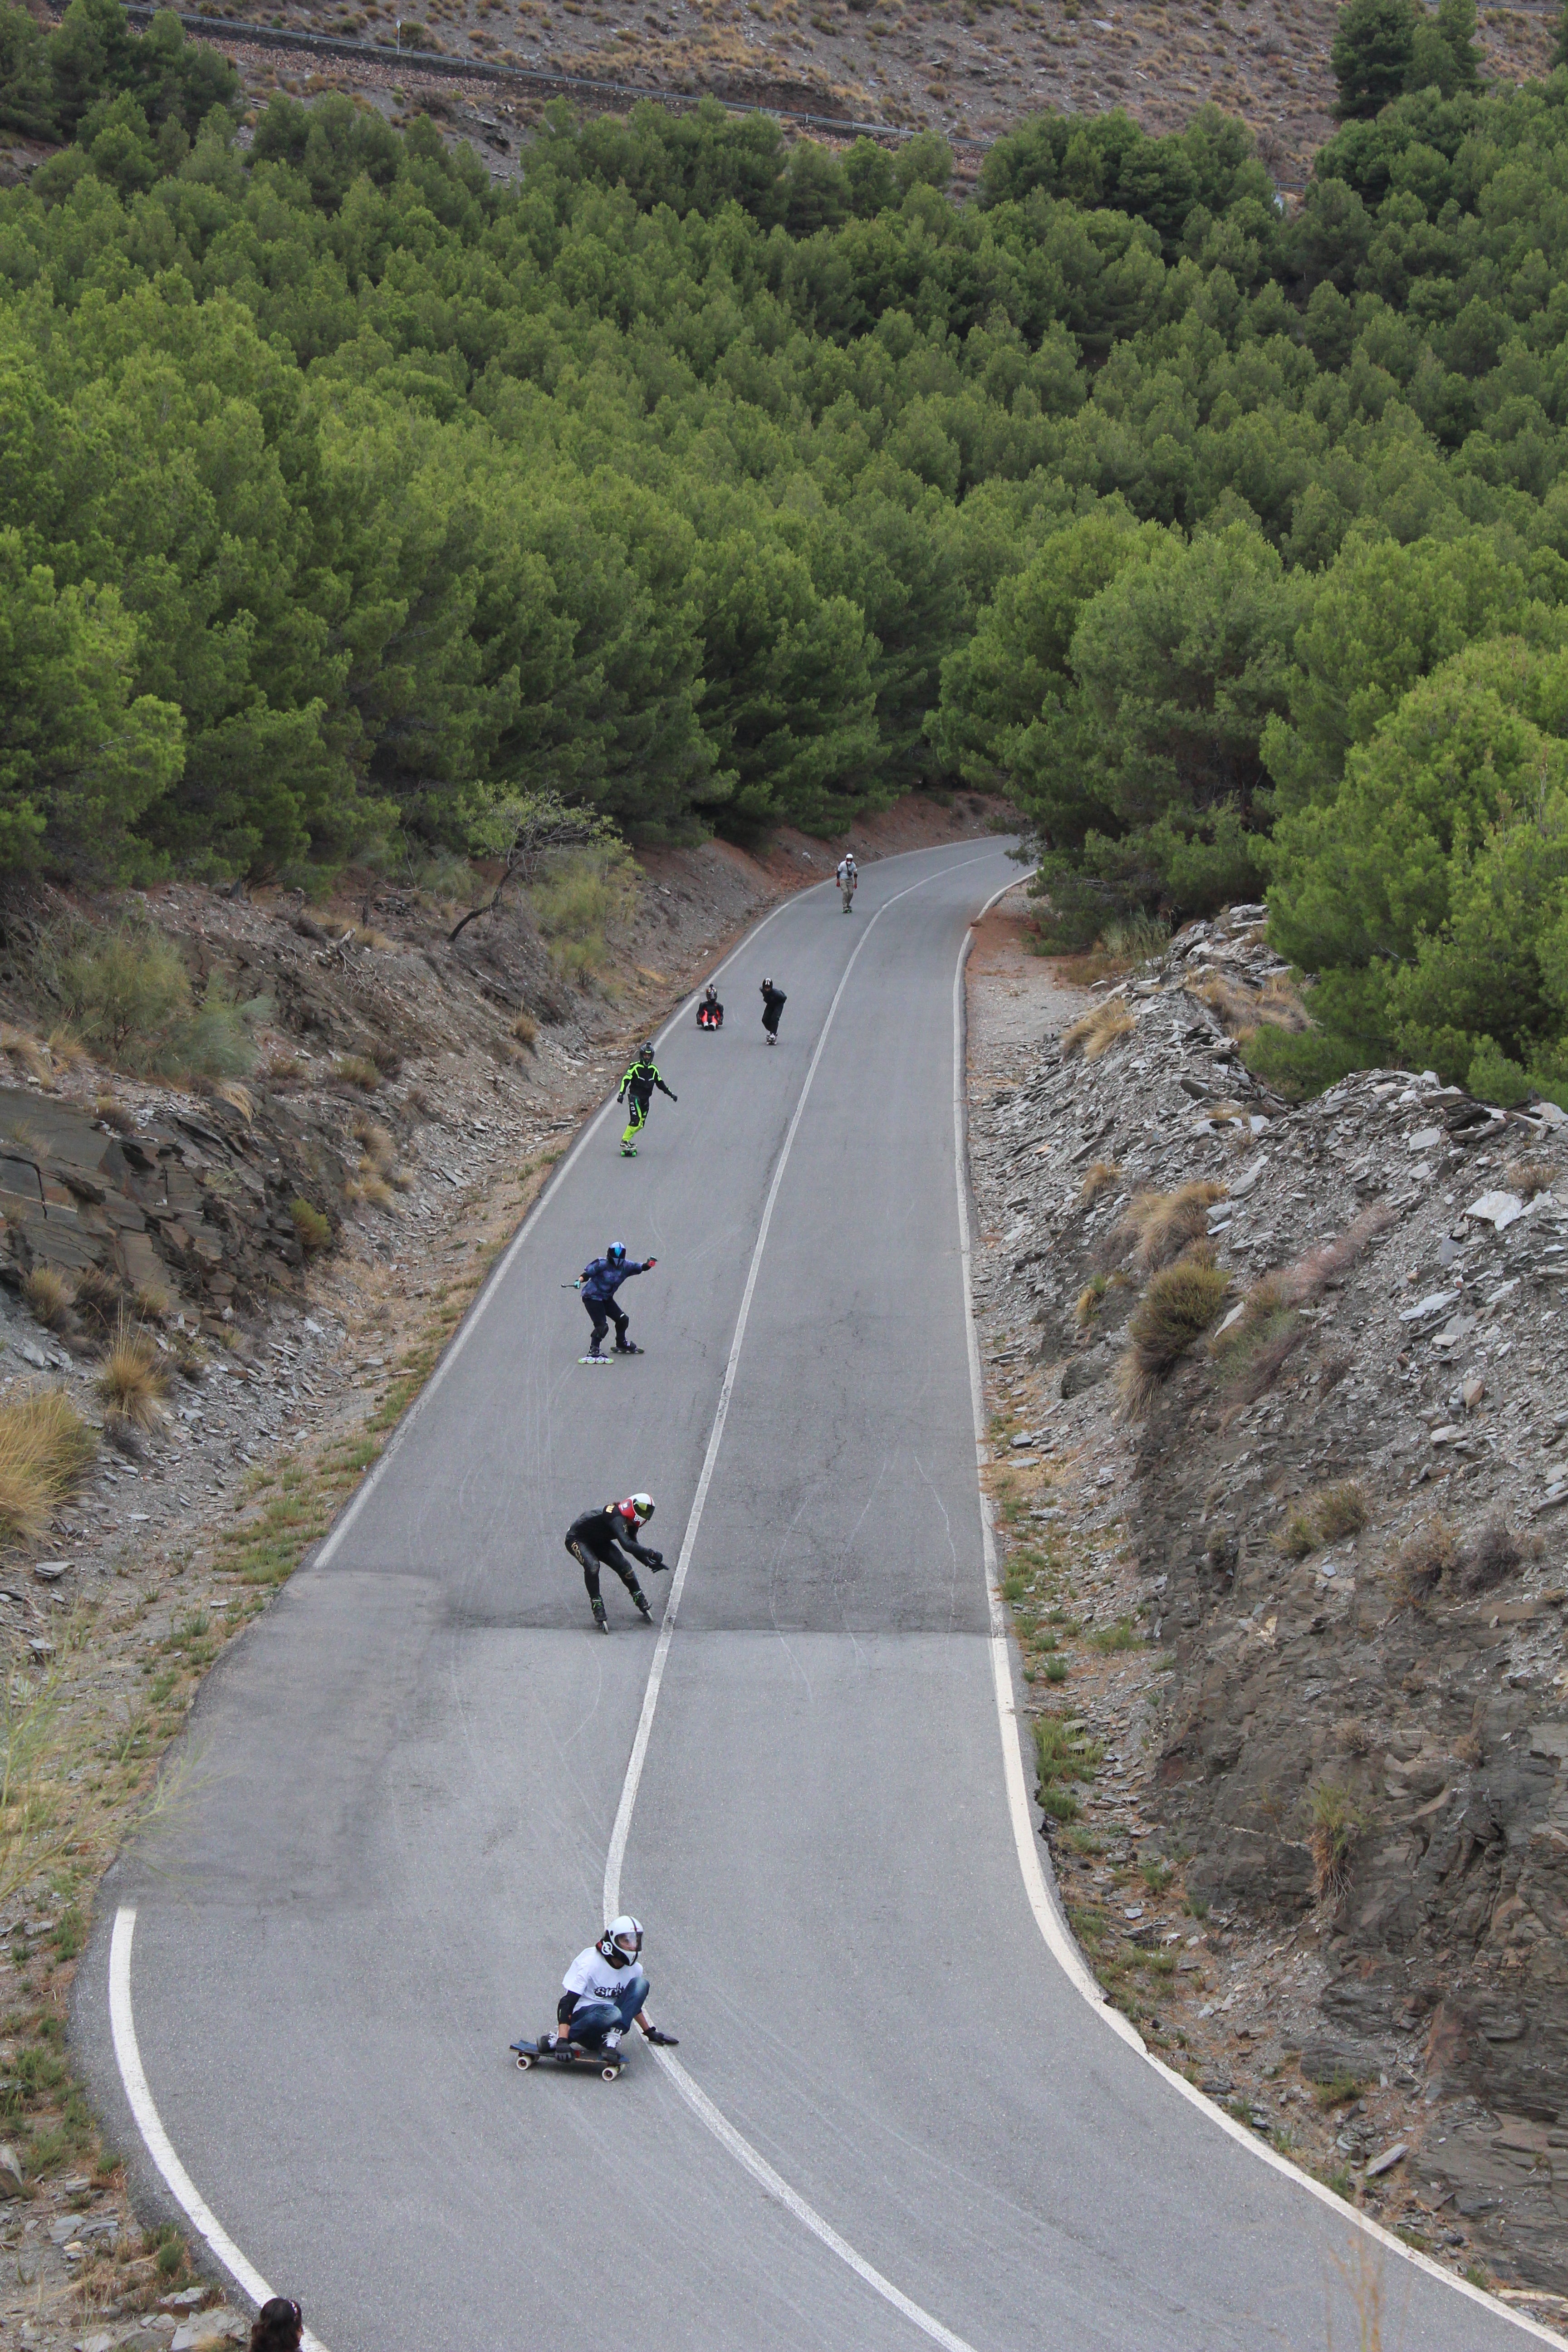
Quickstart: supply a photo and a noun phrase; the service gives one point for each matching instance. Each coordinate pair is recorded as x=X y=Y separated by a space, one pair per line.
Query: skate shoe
x=628 y=1348
x=599 y=1620
x=643 y=1611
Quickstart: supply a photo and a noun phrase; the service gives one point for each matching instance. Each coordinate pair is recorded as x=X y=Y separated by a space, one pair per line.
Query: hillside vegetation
x=719 y=482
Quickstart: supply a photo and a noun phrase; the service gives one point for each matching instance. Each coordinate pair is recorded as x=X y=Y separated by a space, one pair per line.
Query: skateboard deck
x=607 y=2062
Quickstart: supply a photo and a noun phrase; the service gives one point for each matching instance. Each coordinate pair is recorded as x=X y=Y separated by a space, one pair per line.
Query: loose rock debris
x=1292 y=1614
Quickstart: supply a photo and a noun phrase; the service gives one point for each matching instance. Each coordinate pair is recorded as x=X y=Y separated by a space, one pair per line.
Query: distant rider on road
x=849 y=879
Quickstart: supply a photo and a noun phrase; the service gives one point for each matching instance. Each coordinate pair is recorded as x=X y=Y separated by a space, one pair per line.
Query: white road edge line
x=701 y=2105
x=1052 y=1926
x=149 y=2124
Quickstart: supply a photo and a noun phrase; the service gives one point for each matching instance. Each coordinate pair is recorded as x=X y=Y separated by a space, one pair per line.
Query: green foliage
x=1374 y=42
x=127 y=993
x=349 y=502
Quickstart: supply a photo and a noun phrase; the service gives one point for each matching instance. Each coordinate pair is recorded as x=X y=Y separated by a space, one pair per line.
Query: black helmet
x=645 y=1051
x=617 y=1252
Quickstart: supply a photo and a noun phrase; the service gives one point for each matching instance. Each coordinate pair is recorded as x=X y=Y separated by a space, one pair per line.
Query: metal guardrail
x=434 y=61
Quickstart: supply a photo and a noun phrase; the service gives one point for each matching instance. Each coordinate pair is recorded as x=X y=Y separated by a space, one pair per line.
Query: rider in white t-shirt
x=603 y=1992
x=849 y=877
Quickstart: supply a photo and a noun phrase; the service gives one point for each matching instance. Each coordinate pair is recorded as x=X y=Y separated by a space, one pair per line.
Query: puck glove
x=661 y=2041
x=655 y=1560
x=648 y=1262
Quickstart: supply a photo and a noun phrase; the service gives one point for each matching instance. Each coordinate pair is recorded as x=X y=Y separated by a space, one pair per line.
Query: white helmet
x=643 y=1505
x=621 y=1943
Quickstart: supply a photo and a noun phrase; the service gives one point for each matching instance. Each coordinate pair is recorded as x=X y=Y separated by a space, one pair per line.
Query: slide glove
x=648 y=1261
x=661 y=2041
x=655 y=1560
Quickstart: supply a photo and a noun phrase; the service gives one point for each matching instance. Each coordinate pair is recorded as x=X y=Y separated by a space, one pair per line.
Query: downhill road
x=403 y=1783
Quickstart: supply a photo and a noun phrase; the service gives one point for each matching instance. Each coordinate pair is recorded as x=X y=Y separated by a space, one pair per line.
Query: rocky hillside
x=1281 y=1399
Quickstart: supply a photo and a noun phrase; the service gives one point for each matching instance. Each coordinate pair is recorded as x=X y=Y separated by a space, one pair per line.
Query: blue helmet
x=617 y=1252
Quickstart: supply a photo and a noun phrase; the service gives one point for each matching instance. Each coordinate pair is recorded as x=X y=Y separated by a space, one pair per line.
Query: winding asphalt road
x=401 y=1786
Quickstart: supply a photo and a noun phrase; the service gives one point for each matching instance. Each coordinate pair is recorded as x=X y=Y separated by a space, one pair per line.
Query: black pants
x=771 y=1017
x=592 y=1563
x=602 y=1313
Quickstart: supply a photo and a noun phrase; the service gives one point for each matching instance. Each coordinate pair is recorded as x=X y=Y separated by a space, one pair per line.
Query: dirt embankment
x=1291 y=1599
x=412 y=1094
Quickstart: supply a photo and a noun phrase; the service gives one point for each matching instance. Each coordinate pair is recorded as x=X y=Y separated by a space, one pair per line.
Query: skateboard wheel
x=609 y=2073
x=523 y=2062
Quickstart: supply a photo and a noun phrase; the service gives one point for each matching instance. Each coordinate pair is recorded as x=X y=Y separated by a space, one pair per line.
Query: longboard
x=607 y=2062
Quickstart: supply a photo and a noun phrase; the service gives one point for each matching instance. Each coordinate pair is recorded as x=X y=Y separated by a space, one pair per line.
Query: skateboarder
x=597 y=1540
x=596 y=1286
x=638 y=1085
x=710 y=1012
x=773 y=1001
x=849 y=879
x=603 y=1993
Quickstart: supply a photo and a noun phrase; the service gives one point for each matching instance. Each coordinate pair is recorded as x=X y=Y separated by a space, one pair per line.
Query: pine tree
x=1373 y=43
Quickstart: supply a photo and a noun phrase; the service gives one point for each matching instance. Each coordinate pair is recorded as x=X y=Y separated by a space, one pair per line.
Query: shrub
x=131 y=1379
x=1335 y=1822
x=525 y=1028
x=1422 y=1562
x=587 y=895
x=1251 y=1352
x=123 y=988
x=1299 y=1536
x=1341 y=1511
x=1101 y=1176
x=129 y=994
x=45 y=1293
x=1179 y=1306
x=1095 y=1033
x=312 y=1227
x=1529 y=1177
x=357 y=1070
x=1122 y=1635
x=1491 y=1558
x=45 y=1447
x=1137 y=937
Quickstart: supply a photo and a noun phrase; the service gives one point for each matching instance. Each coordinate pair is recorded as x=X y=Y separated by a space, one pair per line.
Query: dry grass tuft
x=1089 y=1300
x=28 y=1055
x=377 y=1191
x=1529 y=1177
x=67 y=1050
x=1336 y=1820
x=1095 y=1033
x=1101 y=1176
x=1352 y=1735
x=1422 y=1562
x=47 y=1296
x=238 y=1098
x=1157 y=1226
x=99 y=1297
x=1276 y=1005
x=152 y=1303
x=285 y=1070
x=1325 y=1517
x=374 y=1141
x=131 y=1379
x=113 y=1113
x=525 y=1028
x=1179 y=1306
x=357 y=1070
x=366 y=936
x=45 y=1447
